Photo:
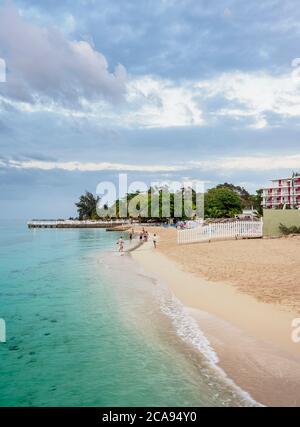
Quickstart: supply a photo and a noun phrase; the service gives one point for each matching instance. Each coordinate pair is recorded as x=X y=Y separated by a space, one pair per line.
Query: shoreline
x=251 y=338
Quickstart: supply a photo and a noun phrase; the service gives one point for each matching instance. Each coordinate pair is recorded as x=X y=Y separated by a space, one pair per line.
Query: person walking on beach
x=154 y=239
x=121 y=244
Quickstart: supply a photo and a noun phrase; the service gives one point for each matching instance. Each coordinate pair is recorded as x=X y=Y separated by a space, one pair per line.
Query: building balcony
x=276 y=203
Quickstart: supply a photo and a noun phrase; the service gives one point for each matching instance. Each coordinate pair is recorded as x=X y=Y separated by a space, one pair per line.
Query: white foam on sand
x=189 y=331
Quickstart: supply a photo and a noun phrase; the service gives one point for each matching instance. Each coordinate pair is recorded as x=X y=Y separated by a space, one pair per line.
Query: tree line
x=223 y=201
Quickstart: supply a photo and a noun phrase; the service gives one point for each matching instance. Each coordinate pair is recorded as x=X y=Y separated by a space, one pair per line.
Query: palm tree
x=87 y=206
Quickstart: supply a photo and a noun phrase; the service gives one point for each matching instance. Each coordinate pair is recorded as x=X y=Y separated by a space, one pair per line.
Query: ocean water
x=87 y=327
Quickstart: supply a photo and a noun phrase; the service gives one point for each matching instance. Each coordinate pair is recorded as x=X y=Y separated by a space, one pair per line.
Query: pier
x=76 y=224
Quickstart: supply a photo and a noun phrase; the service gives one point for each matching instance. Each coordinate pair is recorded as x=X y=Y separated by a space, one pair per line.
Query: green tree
x=222 y=202
x=245 y=196
x=87 y=206
x=248 y=200
x=257 y=201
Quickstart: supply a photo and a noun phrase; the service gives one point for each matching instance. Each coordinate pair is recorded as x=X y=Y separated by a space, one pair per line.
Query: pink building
x=284 y=191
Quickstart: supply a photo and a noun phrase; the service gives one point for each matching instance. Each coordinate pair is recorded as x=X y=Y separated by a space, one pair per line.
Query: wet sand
x=250 y=332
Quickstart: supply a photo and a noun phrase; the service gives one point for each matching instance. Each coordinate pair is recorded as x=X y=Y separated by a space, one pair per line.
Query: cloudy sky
x=159 y=89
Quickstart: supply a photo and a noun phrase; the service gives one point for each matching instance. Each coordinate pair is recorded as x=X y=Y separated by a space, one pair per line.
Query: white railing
x=226 y=230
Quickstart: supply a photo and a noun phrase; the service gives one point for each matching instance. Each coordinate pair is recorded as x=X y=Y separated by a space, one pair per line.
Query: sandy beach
x=244 y=295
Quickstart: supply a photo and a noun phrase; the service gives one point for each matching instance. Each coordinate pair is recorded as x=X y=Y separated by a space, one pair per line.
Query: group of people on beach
x=143 y=236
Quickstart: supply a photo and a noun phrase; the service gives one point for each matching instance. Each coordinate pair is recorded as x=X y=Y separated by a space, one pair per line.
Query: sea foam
x=189 y=331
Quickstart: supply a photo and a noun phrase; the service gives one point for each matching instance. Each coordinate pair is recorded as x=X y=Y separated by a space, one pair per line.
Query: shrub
x=289 y=230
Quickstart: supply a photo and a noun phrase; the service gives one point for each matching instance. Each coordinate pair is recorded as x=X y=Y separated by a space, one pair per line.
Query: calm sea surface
x=86 y=327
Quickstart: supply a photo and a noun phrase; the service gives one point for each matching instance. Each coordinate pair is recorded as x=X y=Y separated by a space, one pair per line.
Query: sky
x=162 y=90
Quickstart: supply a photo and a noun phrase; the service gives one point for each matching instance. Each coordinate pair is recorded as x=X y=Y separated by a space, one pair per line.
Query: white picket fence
x=226 y=230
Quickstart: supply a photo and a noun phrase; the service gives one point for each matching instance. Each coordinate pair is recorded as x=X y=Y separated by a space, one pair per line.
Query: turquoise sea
x=86 y=327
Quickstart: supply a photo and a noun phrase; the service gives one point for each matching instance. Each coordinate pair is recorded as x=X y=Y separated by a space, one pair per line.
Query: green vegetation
x=289 y=230
x=248 y=200
x=87 y=206
x=222 y=202
x=159 y=204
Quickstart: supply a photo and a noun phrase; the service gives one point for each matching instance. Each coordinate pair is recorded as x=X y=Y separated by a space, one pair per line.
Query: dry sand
x=244 y=294
x=267 y=269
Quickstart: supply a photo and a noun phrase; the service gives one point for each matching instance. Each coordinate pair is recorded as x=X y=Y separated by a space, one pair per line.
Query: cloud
x=44 y=66
x=230 y=164
x=250 y=99
x=246 y=100
x=256 y=95
x=250 y=163
x=150 y=102
x=90 y=166
x=49 y=73
x=161 y=103
x=182 y=38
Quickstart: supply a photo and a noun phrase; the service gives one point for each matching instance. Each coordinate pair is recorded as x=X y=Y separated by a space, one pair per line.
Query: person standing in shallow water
x=121 y=244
